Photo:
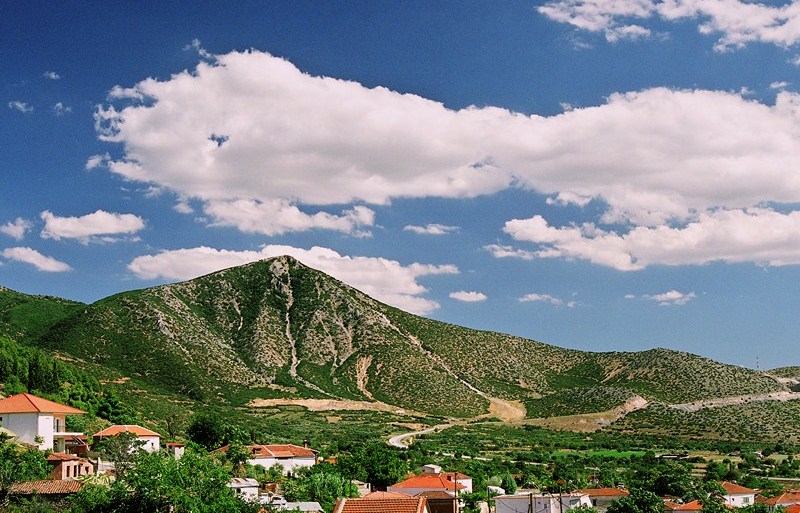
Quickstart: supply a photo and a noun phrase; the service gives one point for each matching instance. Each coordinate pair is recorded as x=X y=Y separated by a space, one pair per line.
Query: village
x=40 y=424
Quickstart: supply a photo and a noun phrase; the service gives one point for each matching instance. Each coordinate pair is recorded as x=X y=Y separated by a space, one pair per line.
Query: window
x=746 y=500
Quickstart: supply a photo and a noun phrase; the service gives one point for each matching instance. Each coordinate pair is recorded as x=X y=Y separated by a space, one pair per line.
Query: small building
x=54 y=492
x=540 y=503
x=176 y=449
x=288 y=456
x=429 y=483
x=378 y=505
x=738 y=496
x=783 y=500
x=68 y=466
x=37 y=421
x=440 y=502
x=305 y=507
x=602 y=498
x=693 y=507
x=246 y=488
x=151 y=441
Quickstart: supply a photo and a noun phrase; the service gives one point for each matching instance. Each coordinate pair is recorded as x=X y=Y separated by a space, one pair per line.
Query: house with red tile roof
x=738 y=496
x=785 y=499
x=428 y=483
x=54 y=492
x=150 y=440
x=376 y=505
x=37 y=421
x=539 y=502
x=693 y=506
x=68 y=466
x=288 y=456
x=602 y=498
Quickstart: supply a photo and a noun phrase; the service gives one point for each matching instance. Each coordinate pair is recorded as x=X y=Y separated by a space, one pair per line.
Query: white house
x=738 y=496
x=288 y=456
x=37 y=421
x=540 y=503
x=429 y=483
x=246 y=488
x=151 y=441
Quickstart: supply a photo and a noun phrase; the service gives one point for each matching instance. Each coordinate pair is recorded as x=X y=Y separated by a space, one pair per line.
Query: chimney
x=305 y=443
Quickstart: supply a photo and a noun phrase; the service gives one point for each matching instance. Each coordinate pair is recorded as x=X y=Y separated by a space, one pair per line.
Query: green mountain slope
x=277 y=328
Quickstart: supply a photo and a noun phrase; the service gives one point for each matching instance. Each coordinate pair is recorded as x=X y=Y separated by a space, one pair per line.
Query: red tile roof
x=117 y=429
x=29 y=403
x=689 y=506
x=407 y=505
x=454 y=476
x=605 y=492
x=60 y=456
x=385 y=495
x=46 y=487
x=784 y=499
x=432 y=481
x=792 y=508
x=276 y=451
x=435 y=494
x=735 y=489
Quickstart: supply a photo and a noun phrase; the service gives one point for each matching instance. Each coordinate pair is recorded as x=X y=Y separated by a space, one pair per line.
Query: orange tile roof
x=436 y=495
x=605 y=492
x=29 y=403
x=454 y=475
x=432 y=481
x=784 y=499
x=117 y=429
x=385 y=495
x=46 y=487
x=407 y=505
x=792 y=508
x=735 y=489
x=277 y=451
x=689 y=506
x=60 y=456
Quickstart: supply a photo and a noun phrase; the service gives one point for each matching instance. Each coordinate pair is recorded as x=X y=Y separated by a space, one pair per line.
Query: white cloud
x=431 y=229
x=261 y=147
x=544 y=298
x=671 y=298
x=737 y=22
x=36 y=259
x=97 y=161
x=99 y=226
x=59 y=109
x=20 y=106
x=52 y=75
x=278 y=216
x=16 y=228
x=383 y=279
x=779 y=85
x=468 y=296
x=756 y=235
x=197 y=46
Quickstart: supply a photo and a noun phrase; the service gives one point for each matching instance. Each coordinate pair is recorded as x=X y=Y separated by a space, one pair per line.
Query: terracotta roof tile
x=60 y=456
x=605 y=492
x=735 y=489
x=277 y=451
x=45 y=487
x=386 y=495
x=432 y=481
x=689 y=506
x=784 y=498
x=407 y=505
x=117 y=429
x=29 y=403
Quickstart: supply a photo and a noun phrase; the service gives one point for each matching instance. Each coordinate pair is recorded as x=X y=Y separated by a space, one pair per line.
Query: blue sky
x=596 y=174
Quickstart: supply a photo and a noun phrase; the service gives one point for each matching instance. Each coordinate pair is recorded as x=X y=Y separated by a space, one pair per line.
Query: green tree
x=508 y=484
x=121 y=450
x=639 y=501
x=323 y=487
x=18 y=464
x=377 y=463
x=207 y=430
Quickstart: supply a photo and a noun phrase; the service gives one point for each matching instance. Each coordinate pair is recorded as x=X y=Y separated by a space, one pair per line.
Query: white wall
x=288 y=464
x=27 y=426
x=151 y=443
x=541 y=504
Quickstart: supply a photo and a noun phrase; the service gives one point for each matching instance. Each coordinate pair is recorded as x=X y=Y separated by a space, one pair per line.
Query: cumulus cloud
x=779 y=85
x=262 y=147
x=20 y=106
x=99 y=226
x=431 y=229
x=383 y=279
x=52 y=75
x=546 y=298
x=468 y=296
x=737 y=22
x=756 y=235
x=671 y=298
x=16 y=228
x=36 y=259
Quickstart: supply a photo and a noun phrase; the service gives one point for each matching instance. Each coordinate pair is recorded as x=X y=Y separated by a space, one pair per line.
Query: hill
x=279 y=330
